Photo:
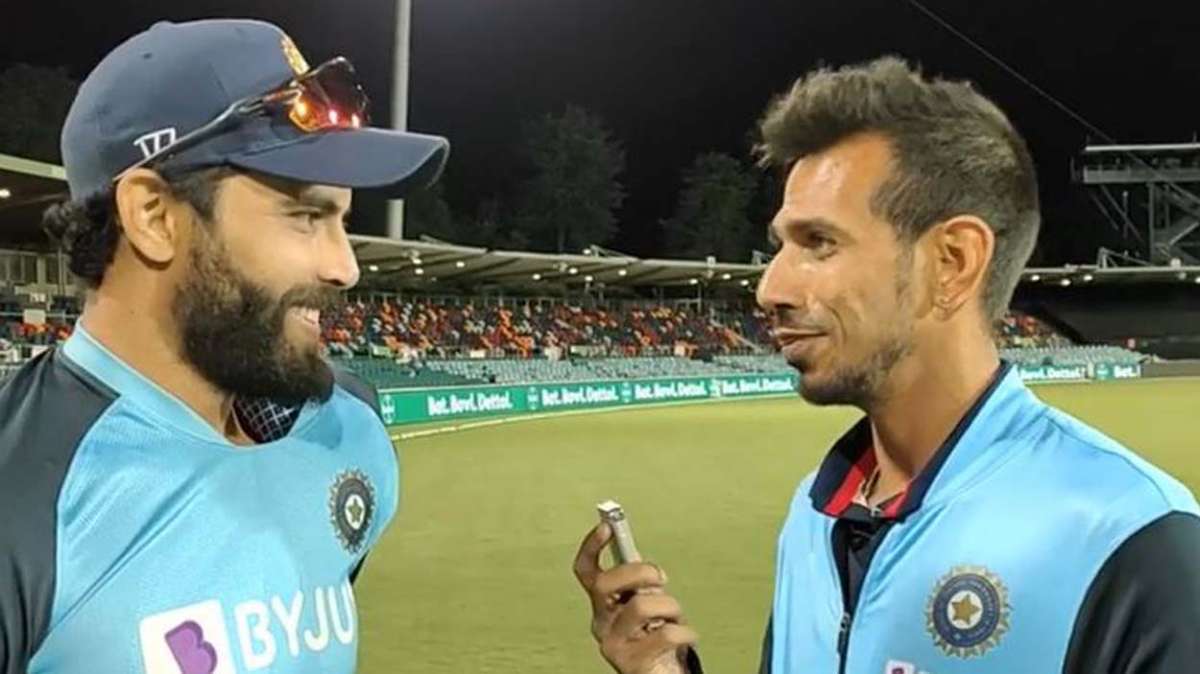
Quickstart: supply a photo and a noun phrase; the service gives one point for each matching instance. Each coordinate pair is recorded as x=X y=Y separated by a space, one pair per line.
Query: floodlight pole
x=400 y=67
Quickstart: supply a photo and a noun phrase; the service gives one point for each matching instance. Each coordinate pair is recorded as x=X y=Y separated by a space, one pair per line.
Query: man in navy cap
x=187 y=486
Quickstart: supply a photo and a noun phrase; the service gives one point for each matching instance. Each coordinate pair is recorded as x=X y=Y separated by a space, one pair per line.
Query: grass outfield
x=474 y=575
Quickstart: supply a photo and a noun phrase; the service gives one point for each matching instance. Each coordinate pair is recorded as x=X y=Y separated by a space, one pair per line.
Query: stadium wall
x=1177 y=368
x=1058 y=372
x=423 y=405
x=403 y=406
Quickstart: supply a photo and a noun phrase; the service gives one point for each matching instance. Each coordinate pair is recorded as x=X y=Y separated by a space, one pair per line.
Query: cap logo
x=294 y=58
x=155 y=141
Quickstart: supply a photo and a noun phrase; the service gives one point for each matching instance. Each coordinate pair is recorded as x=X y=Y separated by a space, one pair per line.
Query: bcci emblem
x=351 y=507
x=968 y=612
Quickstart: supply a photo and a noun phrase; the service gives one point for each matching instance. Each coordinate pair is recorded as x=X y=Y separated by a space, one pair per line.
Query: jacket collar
x=1004 y=404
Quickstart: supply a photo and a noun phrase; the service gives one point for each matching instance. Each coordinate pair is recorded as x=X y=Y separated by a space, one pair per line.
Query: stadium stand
x=1019 y=330
x=386 y=373
x=501 y=371
x=754 y=363
x=423 y=342
x=1073 y=355
x=447 y=330
x=540 y=370
x=654 y=366
x=45 y=334
x=430 y=340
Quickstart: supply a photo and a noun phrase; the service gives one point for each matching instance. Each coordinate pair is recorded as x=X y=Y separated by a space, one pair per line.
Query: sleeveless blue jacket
x=991 y=554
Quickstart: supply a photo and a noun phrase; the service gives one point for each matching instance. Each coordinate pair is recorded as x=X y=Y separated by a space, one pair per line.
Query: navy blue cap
x=176 y=77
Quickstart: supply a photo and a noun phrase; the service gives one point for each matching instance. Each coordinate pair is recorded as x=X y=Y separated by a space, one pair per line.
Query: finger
x=617 y=586
x=666 y=646
x=645 y=614
x=676 y=635
x=587 y=561
x=628 y=579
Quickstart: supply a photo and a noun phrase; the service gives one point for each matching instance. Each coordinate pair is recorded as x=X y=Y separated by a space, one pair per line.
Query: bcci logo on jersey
x=968 y=612
x=351 y=507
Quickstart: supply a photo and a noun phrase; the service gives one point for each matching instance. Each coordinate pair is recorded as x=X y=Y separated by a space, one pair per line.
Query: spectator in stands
x=1020 y=330
x=528 y=329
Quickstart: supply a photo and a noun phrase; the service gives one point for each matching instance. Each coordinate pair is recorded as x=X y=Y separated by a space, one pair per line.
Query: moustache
x=793 y=320
x=323 y=299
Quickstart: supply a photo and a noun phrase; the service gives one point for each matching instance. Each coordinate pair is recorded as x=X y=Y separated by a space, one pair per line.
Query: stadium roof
x=1154 y=148
x=1091 y=274
x=26 y=188
x=386 y=261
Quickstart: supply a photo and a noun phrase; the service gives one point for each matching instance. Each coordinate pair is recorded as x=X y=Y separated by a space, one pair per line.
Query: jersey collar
x=86 y=351
x=852 y=458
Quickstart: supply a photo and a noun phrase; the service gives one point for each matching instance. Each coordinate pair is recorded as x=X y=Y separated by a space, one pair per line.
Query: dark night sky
x=675 y=78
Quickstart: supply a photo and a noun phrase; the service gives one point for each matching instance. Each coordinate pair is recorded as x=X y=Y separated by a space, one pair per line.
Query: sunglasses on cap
x=324 y=98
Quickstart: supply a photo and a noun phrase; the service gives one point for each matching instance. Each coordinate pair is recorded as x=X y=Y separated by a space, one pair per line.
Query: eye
x=820 y=244
x=305 y=220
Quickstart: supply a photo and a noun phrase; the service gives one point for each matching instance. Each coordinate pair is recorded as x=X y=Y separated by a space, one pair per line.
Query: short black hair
x=955 y=153
x=88 y=230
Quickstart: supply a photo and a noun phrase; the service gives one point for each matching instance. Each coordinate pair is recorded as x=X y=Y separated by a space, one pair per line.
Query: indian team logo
x=968 y=612
x=294 y=58
x=351 y=507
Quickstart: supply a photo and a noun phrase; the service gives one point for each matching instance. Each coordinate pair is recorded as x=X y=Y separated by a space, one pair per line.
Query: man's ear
x=961 y=251
x=148 y=216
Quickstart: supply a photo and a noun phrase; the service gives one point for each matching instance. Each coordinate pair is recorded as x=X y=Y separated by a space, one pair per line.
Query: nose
x=777 y=288
x=338 y=266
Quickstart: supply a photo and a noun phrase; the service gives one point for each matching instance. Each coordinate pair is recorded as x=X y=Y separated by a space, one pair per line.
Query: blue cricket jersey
x=1030 y=544
x=135 y=538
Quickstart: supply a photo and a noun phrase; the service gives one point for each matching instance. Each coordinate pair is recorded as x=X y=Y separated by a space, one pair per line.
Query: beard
x=234 y=331
x=862 y=383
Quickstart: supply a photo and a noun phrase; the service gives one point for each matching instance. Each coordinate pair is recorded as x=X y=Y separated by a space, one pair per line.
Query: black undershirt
x=856 y=536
